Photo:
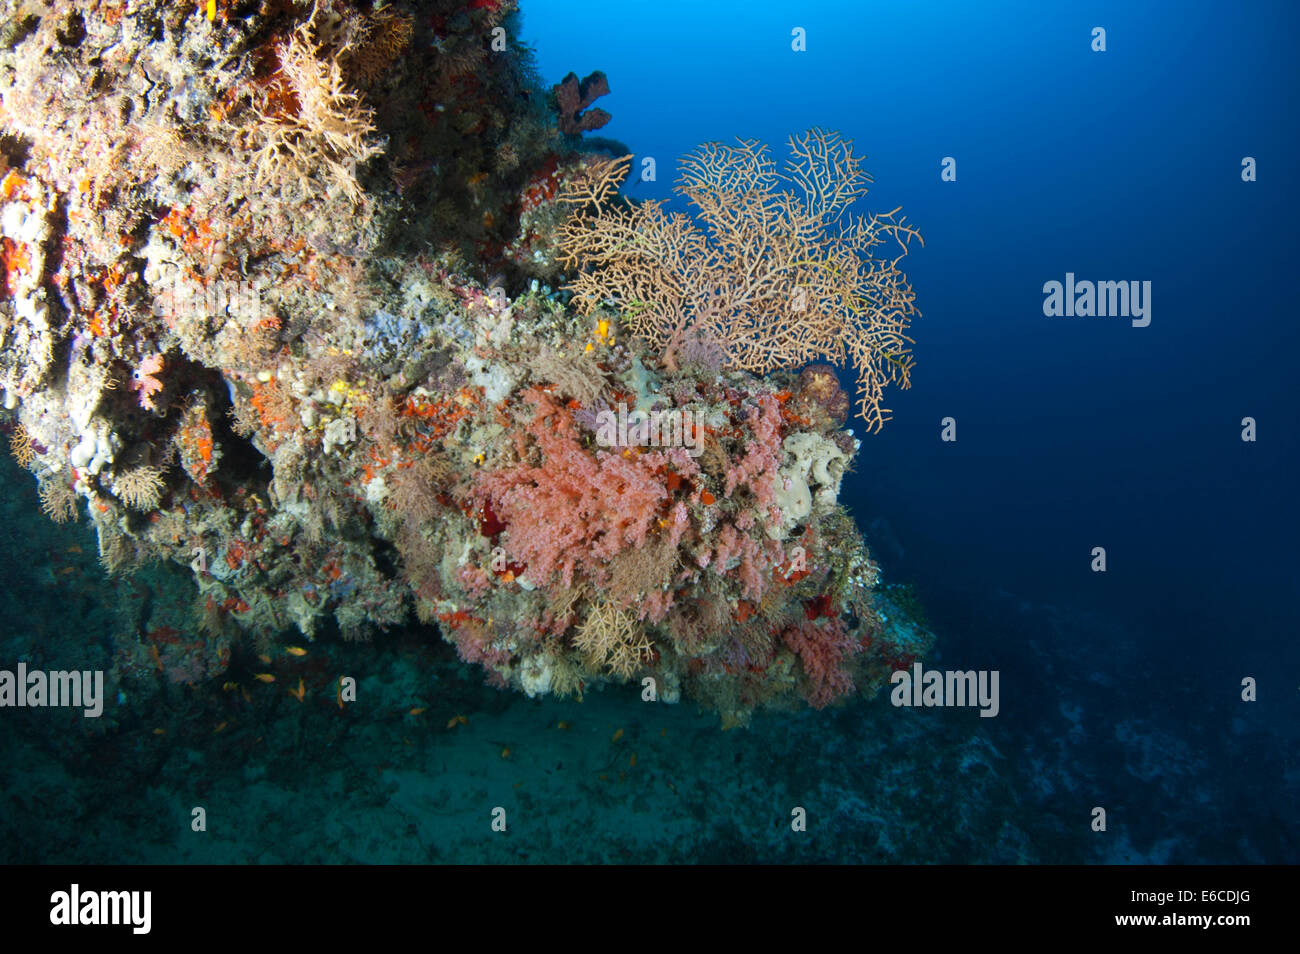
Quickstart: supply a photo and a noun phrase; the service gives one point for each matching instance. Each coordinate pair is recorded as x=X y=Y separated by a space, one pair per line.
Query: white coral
x=811 y=476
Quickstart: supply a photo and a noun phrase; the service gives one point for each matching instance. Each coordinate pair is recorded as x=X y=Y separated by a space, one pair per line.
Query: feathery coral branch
x=772 y=265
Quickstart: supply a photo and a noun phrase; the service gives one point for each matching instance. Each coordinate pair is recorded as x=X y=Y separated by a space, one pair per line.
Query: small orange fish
x=505 y=753
x=229 y=686
x=265 y=658
x=457 y=720
x=159 y=731
x=220 y=727
x=631 y=763
x=418 y=710
x=66 y=570
x=561 y=725
x=295 y=651
x=264 y=677
x=73 y=549
x=300 y=692
x=617 y=735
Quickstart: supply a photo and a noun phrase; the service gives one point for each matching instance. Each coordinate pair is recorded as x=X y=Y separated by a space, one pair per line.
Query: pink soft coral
x=757 y=469
x=752 y=561
x=822 y=648
x=144 y=383
x=577 y=509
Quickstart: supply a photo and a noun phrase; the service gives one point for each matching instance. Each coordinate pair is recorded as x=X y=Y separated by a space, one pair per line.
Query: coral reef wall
x=282 y=308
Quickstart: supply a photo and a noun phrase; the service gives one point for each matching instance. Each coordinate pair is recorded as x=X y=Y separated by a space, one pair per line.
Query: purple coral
x=574 y=98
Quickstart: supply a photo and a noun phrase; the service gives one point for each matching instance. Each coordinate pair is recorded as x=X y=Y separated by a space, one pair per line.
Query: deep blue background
x=1122 y=165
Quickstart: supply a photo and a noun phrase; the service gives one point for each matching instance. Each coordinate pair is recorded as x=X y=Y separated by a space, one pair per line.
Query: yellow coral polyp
x=601 y=334
x=353 y=398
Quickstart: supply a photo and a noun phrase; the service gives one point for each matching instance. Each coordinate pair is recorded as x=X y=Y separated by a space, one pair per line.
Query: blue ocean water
x=1120 y=689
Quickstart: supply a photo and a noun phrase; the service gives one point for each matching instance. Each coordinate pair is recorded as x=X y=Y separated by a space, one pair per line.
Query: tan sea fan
x=772 y=265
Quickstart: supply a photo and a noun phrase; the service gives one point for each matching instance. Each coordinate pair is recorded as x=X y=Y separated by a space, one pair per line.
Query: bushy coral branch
x=574 y=507
x=773 y=266
x=310 y=121
x=823 y=651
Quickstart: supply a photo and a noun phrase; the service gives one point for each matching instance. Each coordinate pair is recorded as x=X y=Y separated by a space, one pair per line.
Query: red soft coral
x=822 y=650
x=577 y=509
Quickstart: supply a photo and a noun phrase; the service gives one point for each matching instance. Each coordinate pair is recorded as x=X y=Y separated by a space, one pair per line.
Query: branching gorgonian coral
x=772 y=265
x=310 y=122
